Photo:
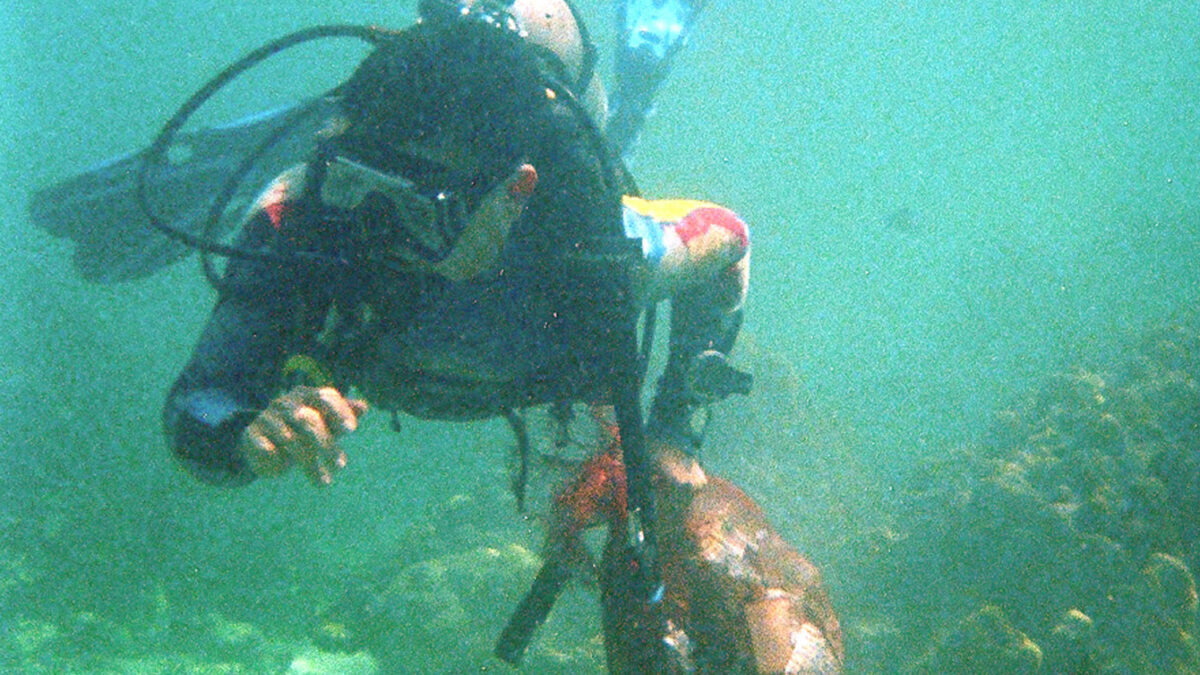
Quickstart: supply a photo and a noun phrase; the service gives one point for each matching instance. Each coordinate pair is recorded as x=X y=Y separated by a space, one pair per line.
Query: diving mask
x=395 y=218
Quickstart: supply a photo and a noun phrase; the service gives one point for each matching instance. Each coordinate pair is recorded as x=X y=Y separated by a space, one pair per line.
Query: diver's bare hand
x=301 y=427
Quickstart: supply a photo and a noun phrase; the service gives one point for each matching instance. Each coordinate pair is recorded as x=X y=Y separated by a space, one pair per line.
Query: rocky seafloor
x=1064 y=541
x=1067 y=540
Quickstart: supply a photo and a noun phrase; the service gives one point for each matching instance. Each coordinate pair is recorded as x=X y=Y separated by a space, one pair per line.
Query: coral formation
x=984 y=642
x=1076 y=523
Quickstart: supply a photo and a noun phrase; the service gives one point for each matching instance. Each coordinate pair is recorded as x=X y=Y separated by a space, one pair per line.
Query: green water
x=948 y=204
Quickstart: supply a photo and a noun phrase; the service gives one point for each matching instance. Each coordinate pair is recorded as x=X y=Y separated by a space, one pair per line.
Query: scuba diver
x=488 y=257
x=461 y=242
x=494 y=261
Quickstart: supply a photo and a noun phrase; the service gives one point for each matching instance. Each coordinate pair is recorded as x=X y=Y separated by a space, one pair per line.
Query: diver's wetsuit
x=440 y=349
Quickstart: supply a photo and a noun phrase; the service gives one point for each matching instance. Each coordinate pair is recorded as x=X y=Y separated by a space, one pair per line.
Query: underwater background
x=973 y=323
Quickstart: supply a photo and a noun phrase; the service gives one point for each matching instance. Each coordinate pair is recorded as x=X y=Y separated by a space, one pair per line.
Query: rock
x=1071 y=644
x=235 y=636
x=443 y=612
x=24 y=638
x=1172 y=590
x=316 y=662
x=984 y=642
x=1149 y=625
x=16 y=573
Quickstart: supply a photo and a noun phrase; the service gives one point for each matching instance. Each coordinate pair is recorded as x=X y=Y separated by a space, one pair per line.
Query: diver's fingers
x=311 y=427
x=301 y=427
x=340 y=414
x=311 y=461
x=265 y=443
x=315 y=449
x=273 y=424
x=339 y=459
x=326 y=464
x=262 y=455
x=316 y=475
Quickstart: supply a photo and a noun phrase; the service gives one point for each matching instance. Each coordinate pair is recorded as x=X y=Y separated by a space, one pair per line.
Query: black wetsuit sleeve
x=236 y=366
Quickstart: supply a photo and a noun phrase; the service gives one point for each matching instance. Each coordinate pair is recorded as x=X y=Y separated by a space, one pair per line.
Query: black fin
x=98 y=209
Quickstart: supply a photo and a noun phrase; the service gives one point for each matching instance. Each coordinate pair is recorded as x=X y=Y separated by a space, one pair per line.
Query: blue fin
x=651 y=33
